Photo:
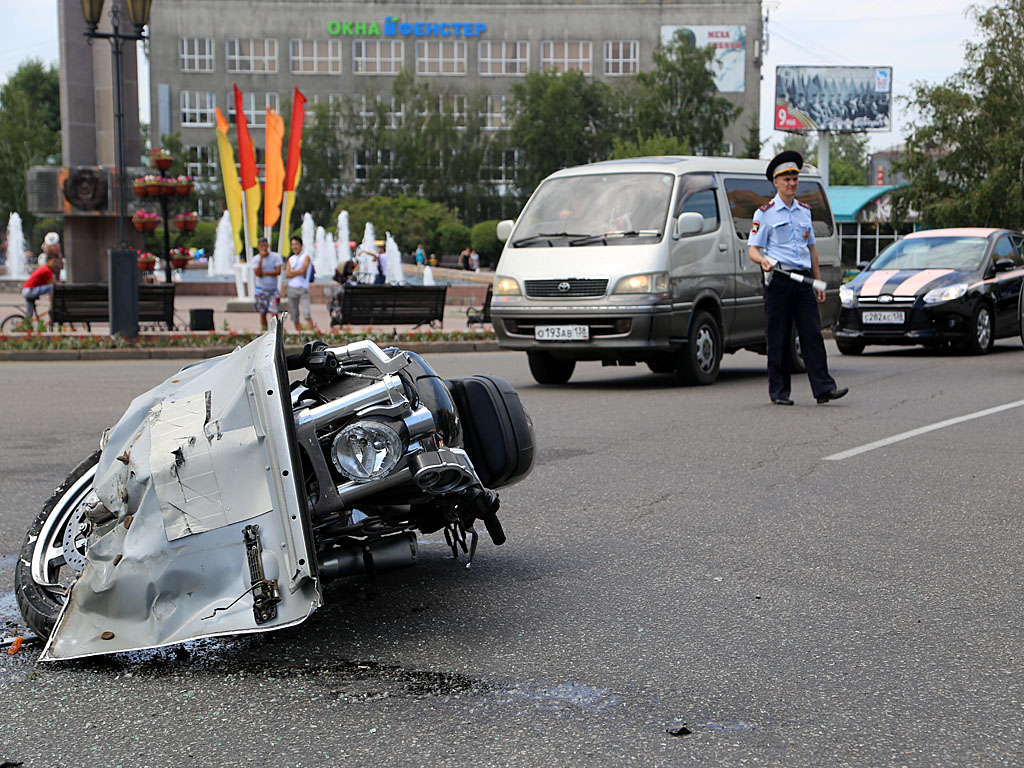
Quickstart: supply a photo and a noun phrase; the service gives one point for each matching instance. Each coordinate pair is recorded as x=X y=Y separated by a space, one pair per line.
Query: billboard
x=833 y=99
x=730 y=44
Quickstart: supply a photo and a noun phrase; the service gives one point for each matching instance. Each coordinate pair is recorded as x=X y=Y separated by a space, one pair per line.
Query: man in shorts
x=267 y=269
x=297 y=273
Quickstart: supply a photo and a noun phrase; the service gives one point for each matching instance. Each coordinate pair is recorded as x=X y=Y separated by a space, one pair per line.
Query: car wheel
x=698 y=362
x=982 y=336
x=850 y=347
x=548 y=369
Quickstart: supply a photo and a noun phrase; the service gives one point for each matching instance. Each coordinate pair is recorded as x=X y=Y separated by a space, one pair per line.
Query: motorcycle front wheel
x=54 y=550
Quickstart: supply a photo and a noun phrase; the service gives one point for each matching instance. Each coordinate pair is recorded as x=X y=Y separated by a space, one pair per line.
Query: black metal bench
x=402 y=304
x=89 y=303
x=476 y=316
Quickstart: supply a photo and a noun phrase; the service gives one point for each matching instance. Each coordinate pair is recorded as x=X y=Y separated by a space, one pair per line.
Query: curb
x=194 y=353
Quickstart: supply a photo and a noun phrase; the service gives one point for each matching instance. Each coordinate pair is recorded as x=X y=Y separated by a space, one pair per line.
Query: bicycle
x=19 y=322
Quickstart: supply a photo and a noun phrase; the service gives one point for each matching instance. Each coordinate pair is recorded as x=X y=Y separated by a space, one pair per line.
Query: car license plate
x=882 y=318
x=561 y=333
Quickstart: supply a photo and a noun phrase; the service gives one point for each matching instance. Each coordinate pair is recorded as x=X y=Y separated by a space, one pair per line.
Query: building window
x=333 y=101
x=200 y=163
x=494 y=117
x=197 y=108
x=195 y=54
x=378 y=57
x=367 y=159
x=255 y=107
x=246 y=55
x=315 y=57
x=440 y=57
x=621 y=57
x=372 y=106
x=503 y=57
x=566 y=55
x=500 y=168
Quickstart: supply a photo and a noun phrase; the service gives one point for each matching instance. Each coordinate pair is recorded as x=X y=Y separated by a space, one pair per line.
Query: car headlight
x=946 y=293
x=506 y=286
x=366 y=450
x=656 y=282
x=847 y=296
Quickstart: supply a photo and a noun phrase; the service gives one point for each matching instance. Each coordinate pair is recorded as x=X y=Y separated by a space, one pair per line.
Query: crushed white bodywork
x=190 y=466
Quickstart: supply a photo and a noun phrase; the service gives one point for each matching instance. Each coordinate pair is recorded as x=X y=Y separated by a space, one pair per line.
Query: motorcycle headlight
x=847 y=296
x=653 y=283
x=366 y=450
x=946 y=293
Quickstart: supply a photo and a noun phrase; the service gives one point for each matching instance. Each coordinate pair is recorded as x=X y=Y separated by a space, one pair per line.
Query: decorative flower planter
x=155 y=188
x=180 y=262
x=186 y=221
x=140 y=189
x=145 y=222
x=163 y=162
x=147 y=263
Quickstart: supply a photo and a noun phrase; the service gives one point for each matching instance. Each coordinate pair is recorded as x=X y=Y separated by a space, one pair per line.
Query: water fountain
x=366 y=264
x=223 y=260
x=344 y=237
x=15 y=248
x=393 y=263
x=332 y=254
x=308 y=235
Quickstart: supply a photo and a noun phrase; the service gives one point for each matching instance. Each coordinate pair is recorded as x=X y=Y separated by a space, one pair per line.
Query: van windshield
x=613 y=208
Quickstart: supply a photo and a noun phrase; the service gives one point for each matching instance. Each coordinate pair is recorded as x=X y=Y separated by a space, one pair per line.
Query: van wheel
x=662 y=365
x=698 y=362
x=850 y=346
x=548 y=369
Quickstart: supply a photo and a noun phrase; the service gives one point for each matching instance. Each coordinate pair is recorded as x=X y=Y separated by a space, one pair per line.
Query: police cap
x=784 y=162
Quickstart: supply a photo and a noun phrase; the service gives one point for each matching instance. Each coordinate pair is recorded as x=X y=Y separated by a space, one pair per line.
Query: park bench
x=89 y=303
x=402 y=304
x=480 y=316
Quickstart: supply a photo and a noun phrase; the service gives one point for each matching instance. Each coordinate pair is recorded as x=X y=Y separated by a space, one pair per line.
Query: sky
x=922 y=40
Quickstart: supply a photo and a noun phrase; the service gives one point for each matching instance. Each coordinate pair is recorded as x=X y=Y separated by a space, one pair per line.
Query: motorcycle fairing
x=198 y=475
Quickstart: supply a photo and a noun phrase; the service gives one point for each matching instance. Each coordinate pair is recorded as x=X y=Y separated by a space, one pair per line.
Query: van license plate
x=561 y=333
x=882 y=318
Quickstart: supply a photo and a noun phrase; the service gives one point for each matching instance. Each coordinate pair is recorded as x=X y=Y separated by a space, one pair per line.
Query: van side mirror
x=862 y=265
x=689 y=223
x=1004 y=265
x=505 y=229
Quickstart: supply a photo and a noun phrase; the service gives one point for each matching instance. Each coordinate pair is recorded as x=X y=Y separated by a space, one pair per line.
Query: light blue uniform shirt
x=784 y=233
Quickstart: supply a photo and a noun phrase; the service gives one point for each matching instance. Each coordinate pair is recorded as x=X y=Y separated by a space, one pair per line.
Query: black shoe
x=832 y=394
x=782 y=401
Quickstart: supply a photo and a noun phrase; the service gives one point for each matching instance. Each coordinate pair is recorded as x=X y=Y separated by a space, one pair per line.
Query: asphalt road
x=678 y=556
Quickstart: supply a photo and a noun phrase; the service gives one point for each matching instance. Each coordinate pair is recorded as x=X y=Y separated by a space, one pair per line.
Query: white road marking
x=920 y=431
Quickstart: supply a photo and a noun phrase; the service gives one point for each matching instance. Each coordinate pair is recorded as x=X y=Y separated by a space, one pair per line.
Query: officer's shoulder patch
x=804 y=205
x=766 y=206
x=755 y=226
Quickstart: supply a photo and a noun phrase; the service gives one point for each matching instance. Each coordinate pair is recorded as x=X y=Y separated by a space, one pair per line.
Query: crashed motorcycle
x=225 y=497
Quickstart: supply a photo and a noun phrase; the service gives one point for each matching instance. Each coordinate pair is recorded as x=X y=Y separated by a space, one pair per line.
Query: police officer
x=782 y=231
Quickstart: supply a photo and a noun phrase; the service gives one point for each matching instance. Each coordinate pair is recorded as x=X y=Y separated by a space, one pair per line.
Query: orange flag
x=273 y=187
x=291 y=177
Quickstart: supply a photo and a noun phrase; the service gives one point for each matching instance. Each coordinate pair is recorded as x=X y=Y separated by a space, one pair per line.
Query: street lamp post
x=123 y=270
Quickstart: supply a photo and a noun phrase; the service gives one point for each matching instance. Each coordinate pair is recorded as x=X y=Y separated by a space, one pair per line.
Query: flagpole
x=246 y=246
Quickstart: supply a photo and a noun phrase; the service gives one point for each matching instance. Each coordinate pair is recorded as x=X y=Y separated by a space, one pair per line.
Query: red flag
x=246 y=154
x=295 y=139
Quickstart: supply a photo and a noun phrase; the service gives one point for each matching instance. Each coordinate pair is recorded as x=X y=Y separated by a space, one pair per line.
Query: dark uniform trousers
x=786 y=301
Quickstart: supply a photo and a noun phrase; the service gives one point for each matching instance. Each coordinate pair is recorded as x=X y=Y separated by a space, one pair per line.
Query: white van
x=644 y=260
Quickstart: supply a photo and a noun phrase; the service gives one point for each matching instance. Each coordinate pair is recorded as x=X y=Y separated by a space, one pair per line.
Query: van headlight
x=655 y=282
x=946 y=293
x=847 y=296
x=366 y=450
x=506 y=286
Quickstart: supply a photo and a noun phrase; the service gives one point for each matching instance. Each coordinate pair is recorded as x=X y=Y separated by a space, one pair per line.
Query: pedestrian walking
x=782 y=233
x=297 y=274
x=268 y=274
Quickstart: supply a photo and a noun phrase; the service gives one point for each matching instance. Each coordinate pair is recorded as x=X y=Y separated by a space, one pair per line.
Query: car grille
x=577 y=288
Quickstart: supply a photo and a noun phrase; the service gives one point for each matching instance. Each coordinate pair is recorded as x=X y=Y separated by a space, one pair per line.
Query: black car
x=939 y=286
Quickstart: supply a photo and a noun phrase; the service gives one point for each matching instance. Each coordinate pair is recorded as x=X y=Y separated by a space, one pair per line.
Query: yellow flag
x=232 y=186
x=289 y=201
x=274 y=184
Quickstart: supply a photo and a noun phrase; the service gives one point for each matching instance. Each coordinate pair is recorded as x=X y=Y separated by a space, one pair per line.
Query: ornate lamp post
x=124 y=296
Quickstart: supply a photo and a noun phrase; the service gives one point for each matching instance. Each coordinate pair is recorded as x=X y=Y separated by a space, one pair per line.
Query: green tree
x=646 y=147
x=847 y=155
x=29 y=132
x=559 y=120
x=752 y=143
x=409 y=219
x=323 y=164
x=484 y=239
x=678 y=97
x=964 y=153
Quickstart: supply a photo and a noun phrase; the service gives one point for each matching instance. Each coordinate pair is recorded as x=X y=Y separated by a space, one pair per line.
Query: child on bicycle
x=41 y=281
